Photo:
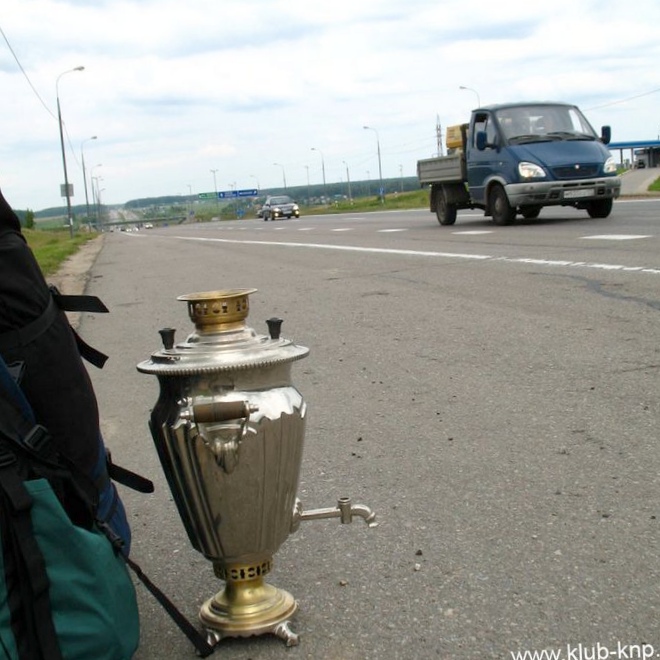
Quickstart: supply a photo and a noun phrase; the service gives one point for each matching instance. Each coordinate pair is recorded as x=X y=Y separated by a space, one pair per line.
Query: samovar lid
x=222 y=341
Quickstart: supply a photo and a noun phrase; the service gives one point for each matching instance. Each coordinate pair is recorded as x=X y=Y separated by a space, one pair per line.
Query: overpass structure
x=641 y=151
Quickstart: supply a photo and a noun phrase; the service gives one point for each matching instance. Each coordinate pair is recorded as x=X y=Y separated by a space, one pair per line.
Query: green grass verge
x=655 y=186
x=51 y=248
x=419 y=199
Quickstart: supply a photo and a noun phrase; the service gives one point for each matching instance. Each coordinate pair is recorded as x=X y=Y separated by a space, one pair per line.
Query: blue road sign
x=238 y=193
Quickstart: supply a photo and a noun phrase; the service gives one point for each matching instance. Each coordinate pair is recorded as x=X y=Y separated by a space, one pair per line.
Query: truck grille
x=578 y=171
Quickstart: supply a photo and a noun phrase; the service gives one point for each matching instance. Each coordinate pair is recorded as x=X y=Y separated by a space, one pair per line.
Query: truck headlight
x=610 y=166
x=530 y=171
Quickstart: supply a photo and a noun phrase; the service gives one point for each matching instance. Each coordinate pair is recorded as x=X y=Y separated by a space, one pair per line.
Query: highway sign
x=250 y=192
x=207 y=195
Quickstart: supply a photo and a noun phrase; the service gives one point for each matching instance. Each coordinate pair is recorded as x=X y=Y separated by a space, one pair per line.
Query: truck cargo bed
x=443 y=169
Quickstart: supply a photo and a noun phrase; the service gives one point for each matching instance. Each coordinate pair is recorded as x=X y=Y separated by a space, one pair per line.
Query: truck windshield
x=541 y=123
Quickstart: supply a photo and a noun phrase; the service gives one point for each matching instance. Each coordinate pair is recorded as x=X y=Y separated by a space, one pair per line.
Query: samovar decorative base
x=248 y=606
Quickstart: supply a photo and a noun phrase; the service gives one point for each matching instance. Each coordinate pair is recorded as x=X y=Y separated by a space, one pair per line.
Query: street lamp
x=257 y=180
x=215 y=187
x=283 y=173
x=474 y=91
x=348 y=179
x=381 y=192
x=66 y=176
x=96 y=194
x=92 y=178
x=325 y=190
x=308 y=193
x=82 y=158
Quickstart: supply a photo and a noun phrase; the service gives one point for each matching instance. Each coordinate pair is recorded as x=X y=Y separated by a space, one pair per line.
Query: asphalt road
x=491 y=392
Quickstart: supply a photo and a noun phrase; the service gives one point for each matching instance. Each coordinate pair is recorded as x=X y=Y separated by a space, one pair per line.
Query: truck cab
x=541 y=154
x=517 y=158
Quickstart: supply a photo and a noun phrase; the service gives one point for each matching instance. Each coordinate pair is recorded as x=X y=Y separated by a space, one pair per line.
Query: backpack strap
x=203 y=648
x=57 y=303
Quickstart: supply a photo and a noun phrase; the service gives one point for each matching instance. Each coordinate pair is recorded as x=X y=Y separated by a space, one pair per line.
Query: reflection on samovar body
x=229 y=428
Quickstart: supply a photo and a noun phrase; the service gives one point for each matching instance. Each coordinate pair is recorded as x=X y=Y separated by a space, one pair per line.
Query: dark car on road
x=279 y=206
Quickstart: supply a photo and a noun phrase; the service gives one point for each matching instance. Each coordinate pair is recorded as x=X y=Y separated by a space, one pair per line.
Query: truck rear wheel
x=445 y=211
x=530 y=212
x=500 y=208
x=599 y=208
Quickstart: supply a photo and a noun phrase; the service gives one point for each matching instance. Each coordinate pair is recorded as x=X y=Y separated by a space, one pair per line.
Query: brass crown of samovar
x=229 y=429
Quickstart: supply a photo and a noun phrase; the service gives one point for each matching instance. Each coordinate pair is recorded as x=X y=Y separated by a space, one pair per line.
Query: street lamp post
x=325 y=189
x=92 y=178
x=96 y=193
x=381 y=191
x=283 y=173
x=348 y=179
x=66 y=176
x=215 y=187
x=82 y=158
x=309 y=203
x=474 y=91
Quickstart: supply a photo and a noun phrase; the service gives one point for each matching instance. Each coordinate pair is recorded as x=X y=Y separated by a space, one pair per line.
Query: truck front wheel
x=500 y=208
x=445 y=211
x=599 y=208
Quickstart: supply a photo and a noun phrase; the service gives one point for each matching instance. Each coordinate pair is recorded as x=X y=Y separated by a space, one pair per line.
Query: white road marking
x=616 y=237
x=552 y=263
x=390 y=231
x=342 y=229
x=474 y=232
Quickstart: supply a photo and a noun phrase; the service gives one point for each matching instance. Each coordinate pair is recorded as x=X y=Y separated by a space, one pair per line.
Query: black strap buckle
x=38 y=440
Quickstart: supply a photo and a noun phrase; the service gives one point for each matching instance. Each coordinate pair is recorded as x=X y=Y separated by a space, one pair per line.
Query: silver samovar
x=229 y=428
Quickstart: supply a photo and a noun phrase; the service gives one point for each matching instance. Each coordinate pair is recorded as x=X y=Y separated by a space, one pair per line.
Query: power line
x=630 y=98
x=36 y=93
x=20 y=66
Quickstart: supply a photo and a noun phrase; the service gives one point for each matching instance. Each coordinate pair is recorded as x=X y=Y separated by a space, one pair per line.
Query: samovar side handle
x=221 y=411
x=226 y=452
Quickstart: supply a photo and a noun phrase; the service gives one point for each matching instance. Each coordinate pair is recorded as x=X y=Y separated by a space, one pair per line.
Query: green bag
x=92 y=598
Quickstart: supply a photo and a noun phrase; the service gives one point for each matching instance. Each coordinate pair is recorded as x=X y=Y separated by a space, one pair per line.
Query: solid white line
x=553 y=263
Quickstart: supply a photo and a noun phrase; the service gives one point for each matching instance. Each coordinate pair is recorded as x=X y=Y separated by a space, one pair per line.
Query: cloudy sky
x=174 y=90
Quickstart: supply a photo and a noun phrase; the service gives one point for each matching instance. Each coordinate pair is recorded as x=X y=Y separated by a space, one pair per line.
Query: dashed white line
x=616 y=237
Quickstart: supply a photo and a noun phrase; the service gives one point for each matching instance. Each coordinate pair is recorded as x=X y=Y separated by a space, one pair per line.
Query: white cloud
x=175 y=89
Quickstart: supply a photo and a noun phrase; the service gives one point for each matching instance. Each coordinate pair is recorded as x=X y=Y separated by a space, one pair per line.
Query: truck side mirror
x=605 y=134
x=482 y=140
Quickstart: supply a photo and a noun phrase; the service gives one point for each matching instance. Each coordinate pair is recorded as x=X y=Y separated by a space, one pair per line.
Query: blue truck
x=516 y=158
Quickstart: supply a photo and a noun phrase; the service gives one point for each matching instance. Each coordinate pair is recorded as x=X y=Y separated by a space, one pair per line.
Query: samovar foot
x=283 y=631
x=246 y=608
